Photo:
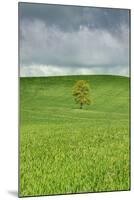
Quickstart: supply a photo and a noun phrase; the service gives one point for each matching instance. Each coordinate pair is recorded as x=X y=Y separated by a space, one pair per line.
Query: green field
x=64 y=149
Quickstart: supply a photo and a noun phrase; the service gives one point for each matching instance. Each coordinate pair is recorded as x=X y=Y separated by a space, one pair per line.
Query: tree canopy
x=81 y=93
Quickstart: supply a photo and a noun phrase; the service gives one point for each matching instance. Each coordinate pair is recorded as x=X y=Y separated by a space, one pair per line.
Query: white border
x=9 y=99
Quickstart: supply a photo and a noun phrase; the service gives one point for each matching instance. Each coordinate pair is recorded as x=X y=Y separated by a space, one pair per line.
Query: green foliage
x=64 y=149
x=81 y=93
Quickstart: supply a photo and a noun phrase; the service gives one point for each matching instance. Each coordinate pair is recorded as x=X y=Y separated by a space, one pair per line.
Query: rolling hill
x=64 y=149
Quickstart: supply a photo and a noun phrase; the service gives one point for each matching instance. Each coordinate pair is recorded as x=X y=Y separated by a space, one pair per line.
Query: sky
x=71 y=40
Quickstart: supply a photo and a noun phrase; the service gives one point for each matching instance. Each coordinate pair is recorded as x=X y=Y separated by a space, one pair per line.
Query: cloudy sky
x=68 y=40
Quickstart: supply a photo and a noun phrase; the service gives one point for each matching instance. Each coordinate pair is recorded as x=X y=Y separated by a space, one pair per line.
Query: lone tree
x=81 y=93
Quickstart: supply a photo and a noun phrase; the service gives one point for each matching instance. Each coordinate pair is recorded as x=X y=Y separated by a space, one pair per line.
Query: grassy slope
x=65 y=149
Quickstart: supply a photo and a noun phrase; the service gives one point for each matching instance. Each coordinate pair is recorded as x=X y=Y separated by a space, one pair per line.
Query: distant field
x=64 y=149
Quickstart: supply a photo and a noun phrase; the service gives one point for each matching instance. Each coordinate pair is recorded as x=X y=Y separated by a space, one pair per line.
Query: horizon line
x=127 y=76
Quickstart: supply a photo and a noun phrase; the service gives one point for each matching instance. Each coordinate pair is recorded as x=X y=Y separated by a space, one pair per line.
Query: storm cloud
x=60 y=40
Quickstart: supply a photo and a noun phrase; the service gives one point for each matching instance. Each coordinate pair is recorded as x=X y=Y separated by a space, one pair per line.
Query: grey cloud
x=69 y=18
x=73 y=40
x=49 y=45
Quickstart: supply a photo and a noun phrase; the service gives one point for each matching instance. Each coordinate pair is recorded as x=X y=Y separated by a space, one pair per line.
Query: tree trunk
x=81 y=106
